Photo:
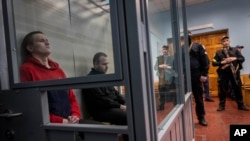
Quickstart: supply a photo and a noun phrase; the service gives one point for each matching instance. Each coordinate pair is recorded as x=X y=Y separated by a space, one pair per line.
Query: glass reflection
x=163 y=58
x=104 y=104
x=76 y=29
x=184 y=48
x=166 y=76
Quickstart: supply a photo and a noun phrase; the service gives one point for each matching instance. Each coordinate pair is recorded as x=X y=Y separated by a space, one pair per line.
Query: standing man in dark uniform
x=199 y=71
x=104 y=104
x=229 y=59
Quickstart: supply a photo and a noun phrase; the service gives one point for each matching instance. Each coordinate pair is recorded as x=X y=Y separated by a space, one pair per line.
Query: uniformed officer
x=199 y=71
x=228 y=60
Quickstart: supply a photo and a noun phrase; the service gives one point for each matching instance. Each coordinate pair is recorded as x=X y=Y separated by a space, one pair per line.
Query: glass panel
x=74 y=31
x=96 y=106
x=163 y=57
x=184 y=46
x=90 y=105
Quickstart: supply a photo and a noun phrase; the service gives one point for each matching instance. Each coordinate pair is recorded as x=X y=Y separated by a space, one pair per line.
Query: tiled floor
x=219 y=122
x=161 y=114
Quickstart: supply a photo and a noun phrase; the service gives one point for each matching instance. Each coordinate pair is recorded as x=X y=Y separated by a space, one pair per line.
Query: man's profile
x=63 y=107
x=105 y=104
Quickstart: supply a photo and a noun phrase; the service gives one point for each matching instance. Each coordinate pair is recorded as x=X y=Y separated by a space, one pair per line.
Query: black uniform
x=199 y=67
x=225 y=75
x=103 y=103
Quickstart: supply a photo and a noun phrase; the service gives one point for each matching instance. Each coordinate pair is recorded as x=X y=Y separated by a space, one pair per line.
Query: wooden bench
x=245 y=88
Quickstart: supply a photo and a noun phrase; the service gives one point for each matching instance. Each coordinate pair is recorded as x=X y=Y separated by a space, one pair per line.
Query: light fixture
x=200 y=27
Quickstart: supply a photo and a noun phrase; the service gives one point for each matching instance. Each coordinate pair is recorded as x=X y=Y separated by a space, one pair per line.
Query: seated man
x=105 y=104
x=63 y=107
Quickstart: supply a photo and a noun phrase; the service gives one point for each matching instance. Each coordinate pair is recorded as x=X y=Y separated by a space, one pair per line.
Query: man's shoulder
x=94 y=71
x=196 y=47
x=196 y=43
x=28 y=66
x=219 y=50
x=160 y=56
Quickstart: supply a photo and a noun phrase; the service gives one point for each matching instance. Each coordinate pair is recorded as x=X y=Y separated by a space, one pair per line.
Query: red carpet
x=219 y=122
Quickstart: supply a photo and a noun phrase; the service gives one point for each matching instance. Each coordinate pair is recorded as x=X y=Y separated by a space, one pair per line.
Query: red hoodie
x=34 y=70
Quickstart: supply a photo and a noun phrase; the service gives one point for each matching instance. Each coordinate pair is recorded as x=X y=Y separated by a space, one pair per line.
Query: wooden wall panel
x=212 y=42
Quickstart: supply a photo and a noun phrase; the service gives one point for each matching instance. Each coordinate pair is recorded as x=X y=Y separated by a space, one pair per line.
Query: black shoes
x=221 y=108
x=161 y=107
x=209 y=100
x=243 y=108
x=203 y=122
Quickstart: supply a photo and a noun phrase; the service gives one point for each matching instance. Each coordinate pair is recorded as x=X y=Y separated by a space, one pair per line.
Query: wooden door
x=212 y=42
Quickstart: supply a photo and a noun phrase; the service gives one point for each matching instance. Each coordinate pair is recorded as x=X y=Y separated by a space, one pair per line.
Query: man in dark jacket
x=199 y=72
x=104 y=104
x=228 y=60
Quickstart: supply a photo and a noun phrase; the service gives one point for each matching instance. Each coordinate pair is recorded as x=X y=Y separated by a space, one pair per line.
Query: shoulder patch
x=203 y=47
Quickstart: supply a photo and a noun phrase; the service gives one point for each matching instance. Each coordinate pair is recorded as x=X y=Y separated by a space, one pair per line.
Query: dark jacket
x=221 y=55
x=198 y=59
x=59 y=96
x=98 y=99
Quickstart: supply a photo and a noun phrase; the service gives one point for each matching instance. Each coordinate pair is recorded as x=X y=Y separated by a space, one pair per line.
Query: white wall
x=223 y=14
x=75 y=35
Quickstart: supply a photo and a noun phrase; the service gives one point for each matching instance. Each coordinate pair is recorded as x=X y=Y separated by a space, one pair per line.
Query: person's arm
x=203 y=60
x=101 y=98
x=239 y=57
x=75 y=110
x=25 y=74
x=170 y=62
x=156 y=65
x=217 y=60
x=55 y=119
x=120 y=99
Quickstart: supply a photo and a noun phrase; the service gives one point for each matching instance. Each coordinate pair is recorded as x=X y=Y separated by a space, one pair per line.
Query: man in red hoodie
x=63 y=107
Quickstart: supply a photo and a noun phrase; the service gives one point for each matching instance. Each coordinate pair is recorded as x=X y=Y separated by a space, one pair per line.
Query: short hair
x=224 y=37
x=165 y=47
x=28 y=40
x=97 y=56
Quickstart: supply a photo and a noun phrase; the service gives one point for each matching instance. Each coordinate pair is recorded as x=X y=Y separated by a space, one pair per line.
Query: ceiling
x=155 y=6
x=100 y=7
